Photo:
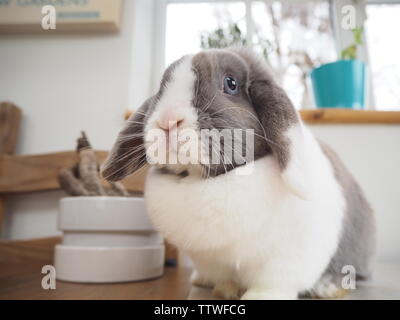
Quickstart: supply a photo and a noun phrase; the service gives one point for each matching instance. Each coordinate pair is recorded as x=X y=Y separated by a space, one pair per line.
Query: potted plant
x=342 y=84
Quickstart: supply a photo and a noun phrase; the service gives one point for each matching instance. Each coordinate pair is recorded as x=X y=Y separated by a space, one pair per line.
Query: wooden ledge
x=345 y=116
x=31 y=173
x=320 y=116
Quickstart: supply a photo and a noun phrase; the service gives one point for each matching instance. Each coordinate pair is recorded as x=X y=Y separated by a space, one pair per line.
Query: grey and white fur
x=286 y=229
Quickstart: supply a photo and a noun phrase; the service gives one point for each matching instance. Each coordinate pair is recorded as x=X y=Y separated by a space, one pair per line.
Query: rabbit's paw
x=269 y=294
x=227 y=290
x=325 y=288
x=197 y=280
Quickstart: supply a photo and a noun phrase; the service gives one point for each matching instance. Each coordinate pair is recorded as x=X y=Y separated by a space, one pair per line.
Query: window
x=382 y=26
x=294 y=37
x=186 y=22
x=300 y=38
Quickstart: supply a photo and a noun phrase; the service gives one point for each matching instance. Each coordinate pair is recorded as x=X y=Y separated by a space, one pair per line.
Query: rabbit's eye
x=230 y=85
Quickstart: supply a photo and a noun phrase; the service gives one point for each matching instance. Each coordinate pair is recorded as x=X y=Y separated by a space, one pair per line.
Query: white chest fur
x=250 y=221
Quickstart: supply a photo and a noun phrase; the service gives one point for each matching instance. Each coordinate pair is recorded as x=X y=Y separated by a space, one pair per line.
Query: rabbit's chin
x=182 y=170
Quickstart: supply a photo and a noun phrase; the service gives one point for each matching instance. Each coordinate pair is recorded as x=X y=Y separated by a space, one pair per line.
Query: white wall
x=66 y=83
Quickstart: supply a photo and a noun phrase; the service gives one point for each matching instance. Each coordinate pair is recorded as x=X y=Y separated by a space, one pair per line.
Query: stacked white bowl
x=107 y=239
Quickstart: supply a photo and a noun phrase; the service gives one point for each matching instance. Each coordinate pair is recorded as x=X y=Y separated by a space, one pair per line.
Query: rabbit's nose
x=170 y=121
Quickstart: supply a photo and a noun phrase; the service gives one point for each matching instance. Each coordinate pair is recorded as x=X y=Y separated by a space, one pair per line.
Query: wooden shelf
x=320 y=116
x=32 y=173
x=346 y=116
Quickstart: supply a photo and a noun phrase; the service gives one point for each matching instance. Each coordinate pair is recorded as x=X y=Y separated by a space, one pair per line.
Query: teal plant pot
x=341 y=84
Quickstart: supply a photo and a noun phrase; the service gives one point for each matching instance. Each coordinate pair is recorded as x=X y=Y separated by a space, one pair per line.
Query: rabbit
x=280 y=225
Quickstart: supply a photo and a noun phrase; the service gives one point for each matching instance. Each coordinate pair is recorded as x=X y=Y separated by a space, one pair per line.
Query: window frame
x=342 y=38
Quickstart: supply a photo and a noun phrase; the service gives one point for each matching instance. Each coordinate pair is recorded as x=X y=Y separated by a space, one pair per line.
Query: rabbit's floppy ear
x=128 y=153
x=288 y=139
x=298 y=173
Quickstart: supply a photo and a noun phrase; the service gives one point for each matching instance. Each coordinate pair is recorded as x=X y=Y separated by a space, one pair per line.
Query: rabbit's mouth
x=204 y=152
x=176 y=150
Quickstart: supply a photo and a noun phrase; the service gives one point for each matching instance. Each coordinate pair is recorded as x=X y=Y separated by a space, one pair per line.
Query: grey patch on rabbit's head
x=261 y=104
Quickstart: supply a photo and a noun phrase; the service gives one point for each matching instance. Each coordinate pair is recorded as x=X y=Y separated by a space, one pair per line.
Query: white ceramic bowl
x=106 y=221
x=107 y=239
x=103 y=213
x=102 y=264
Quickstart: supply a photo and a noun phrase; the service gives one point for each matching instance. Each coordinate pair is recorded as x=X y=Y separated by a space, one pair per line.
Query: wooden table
x=21 y=263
